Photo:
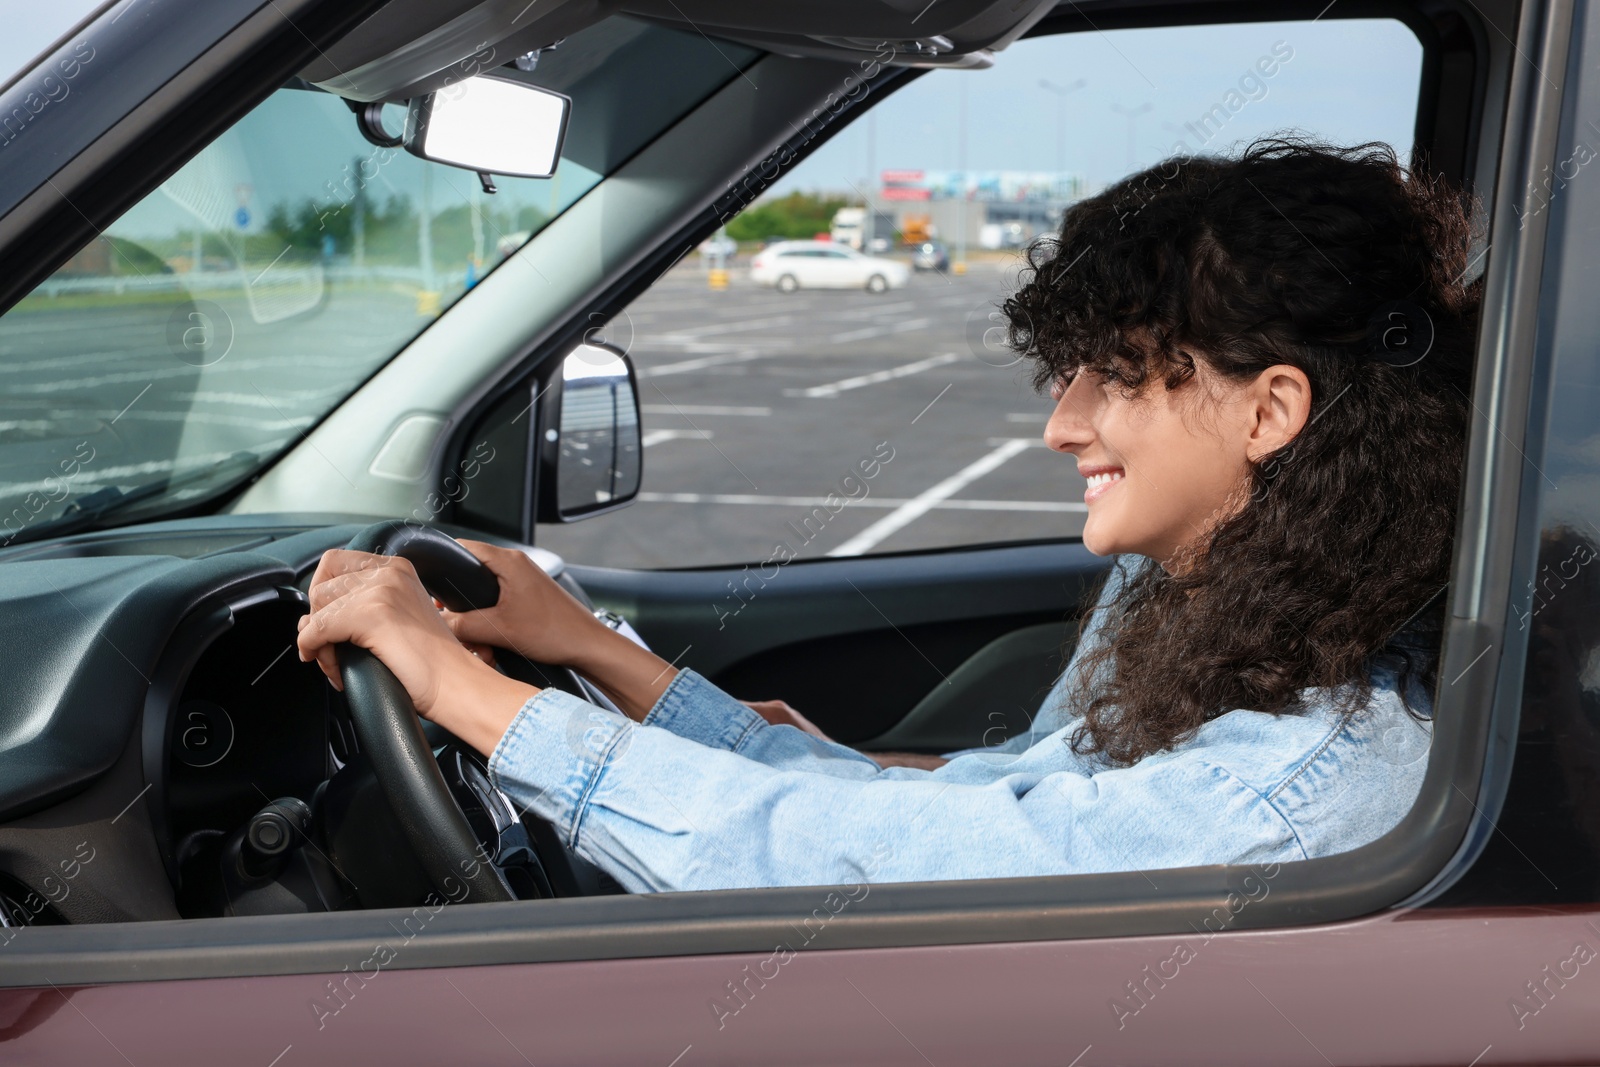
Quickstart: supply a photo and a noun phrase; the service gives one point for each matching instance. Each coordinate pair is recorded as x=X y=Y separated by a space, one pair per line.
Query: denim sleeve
x=659 y=811
x=1053 y=712
x=694 y=708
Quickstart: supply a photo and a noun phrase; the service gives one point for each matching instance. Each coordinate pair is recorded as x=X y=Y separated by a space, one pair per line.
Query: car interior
x=158 y=720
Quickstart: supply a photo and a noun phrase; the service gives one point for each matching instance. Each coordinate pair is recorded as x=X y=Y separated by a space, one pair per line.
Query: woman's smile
x=1101 y=480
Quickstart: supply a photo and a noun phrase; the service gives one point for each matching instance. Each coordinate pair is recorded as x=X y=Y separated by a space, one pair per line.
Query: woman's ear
x=1279 y=403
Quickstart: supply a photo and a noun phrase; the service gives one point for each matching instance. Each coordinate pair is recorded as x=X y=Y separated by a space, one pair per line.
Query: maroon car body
x=1468 y=935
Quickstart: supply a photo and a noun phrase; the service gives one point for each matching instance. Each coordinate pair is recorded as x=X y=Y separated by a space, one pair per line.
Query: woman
x=1261 y=366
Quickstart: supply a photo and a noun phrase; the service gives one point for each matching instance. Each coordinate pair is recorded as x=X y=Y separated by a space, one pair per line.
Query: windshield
x=226 y=313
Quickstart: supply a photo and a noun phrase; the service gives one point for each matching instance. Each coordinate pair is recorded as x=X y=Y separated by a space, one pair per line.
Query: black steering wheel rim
x=389 y=732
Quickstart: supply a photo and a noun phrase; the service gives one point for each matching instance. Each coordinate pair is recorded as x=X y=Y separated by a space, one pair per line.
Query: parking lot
x=757 y=404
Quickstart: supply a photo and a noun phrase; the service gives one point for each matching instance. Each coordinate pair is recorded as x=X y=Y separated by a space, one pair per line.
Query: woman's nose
x=1069 y=428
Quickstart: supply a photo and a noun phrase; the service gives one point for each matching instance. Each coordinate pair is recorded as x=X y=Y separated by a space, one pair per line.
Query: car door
x=816 y=269
x=953 y=567
x=785 y=262
x=844 y=270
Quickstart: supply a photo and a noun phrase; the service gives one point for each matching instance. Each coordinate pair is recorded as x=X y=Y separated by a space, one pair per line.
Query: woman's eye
x=1058 y=388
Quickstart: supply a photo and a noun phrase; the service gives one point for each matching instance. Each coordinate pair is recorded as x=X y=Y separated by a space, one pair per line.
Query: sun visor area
x=912 y=33
x=411 y=47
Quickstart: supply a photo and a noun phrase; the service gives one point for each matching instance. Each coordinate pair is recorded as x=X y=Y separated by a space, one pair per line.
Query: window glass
x=762 y=400
x=227 y=312
x=257 y=287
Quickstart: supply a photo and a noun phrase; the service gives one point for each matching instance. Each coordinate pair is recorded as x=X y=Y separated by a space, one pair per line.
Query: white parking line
x=763 y=500
x=736 y=326
x=878 y=331
x=878 y=311
x=687 y=365
x=700 y=409
x=835 y=388
x=656 y=437
x=672 y=304
x=63 y=361
x=122 y=471
x=667 y=346
x=920 y=505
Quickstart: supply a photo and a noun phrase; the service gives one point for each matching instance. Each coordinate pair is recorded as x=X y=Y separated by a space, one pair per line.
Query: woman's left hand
x=378 y=602
x=779 y=713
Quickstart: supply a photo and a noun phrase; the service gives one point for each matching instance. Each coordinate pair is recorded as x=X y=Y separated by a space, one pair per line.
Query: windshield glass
x=227 y=312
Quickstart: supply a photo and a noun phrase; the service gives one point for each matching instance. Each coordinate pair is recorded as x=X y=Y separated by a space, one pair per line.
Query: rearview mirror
x=484 y=123
x=590 y=445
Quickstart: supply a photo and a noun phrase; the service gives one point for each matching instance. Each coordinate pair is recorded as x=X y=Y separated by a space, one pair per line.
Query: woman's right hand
x=534 y=616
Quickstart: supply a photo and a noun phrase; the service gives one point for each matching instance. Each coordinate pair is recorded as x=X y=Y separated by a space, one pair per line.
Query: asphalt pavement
x=757 y=405
x=153 y=384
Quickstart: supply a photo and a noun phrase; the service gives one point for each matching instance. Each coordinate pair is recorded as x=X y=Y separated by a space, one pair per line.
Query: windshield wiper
x=91 y=509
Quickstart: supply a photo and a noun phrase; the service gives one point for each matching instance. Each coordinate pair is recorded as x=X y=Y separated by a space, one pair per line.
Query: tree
x=798 y=215
x=391 y=226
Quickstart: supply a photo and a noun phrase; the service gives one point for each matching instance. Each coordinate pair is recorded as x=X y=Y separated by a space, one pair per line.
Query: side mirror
x=485 y=123
x=590 y=454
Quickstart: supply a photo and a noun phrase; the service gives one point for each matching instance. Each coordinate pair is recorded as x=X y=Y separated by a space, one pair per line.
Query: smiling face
x=1164 y=466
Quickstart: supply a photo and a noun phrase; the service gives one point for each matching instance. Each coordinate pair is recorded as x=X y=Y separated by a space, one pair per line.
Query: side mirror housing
x=562 y=446
x=589 y=456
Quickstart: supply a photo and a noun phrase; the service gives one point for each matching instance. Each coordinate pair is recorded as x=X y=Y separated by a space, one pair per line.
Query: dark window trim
x=1492 y=534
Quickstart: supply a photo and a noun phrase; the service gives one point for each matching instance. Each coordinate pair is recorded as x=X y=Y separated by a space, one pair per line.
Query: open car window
x=765 y=374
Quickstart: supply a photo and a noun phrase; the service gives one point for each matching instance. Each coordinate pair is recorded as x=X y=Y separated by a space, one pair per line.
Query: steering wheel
x=391 y=735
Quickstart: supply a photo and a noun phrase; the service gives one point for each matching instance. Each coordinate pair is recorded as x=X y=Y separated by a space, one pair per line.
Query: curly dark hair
x=1342 y=538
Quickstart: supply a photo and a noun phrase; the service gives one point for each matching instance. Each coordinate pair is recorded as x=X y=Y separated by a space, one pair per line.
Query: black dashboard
x=162 y=746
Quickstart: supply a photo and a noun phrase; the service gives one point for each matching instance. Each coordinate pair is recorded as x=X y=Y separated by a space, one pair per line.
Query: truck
x=917 y=229
x=850 y=228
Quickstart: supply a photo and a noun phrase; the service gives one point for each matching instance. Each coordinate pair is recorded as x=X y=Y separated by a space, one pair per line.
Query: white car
x=791 y=265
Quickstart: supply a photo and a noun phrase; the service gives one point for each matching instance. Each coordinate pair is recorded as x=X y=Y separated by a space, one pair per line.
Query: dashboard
x=165 y=754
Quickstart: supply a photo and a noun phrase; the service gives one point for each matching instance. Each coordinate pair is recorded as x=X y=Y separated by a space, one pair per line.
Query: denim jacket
x=705 y=794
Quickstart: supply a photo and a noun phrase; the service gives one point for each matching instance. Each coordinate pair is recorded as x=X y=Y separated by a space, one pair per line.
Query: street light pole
x=960 y=266
x=358 y=220
x=1132 y=114
x=870 y=230
x=1061 y=93
x=425 y=229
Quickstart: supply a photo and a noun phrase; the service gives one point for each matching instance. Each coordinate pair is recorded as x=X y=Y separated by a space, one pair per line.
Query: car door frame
x=1434 y=843
x=1462 y=811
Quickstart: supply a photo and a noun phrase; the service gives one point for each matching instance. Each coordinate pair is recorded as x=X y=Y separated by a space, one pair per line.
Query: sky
x=31 y=26
x=1346 y=80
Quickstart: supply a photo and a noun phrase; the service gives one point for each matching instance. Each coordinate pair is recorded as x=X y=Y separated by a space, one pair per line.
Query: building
x=990 y=209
